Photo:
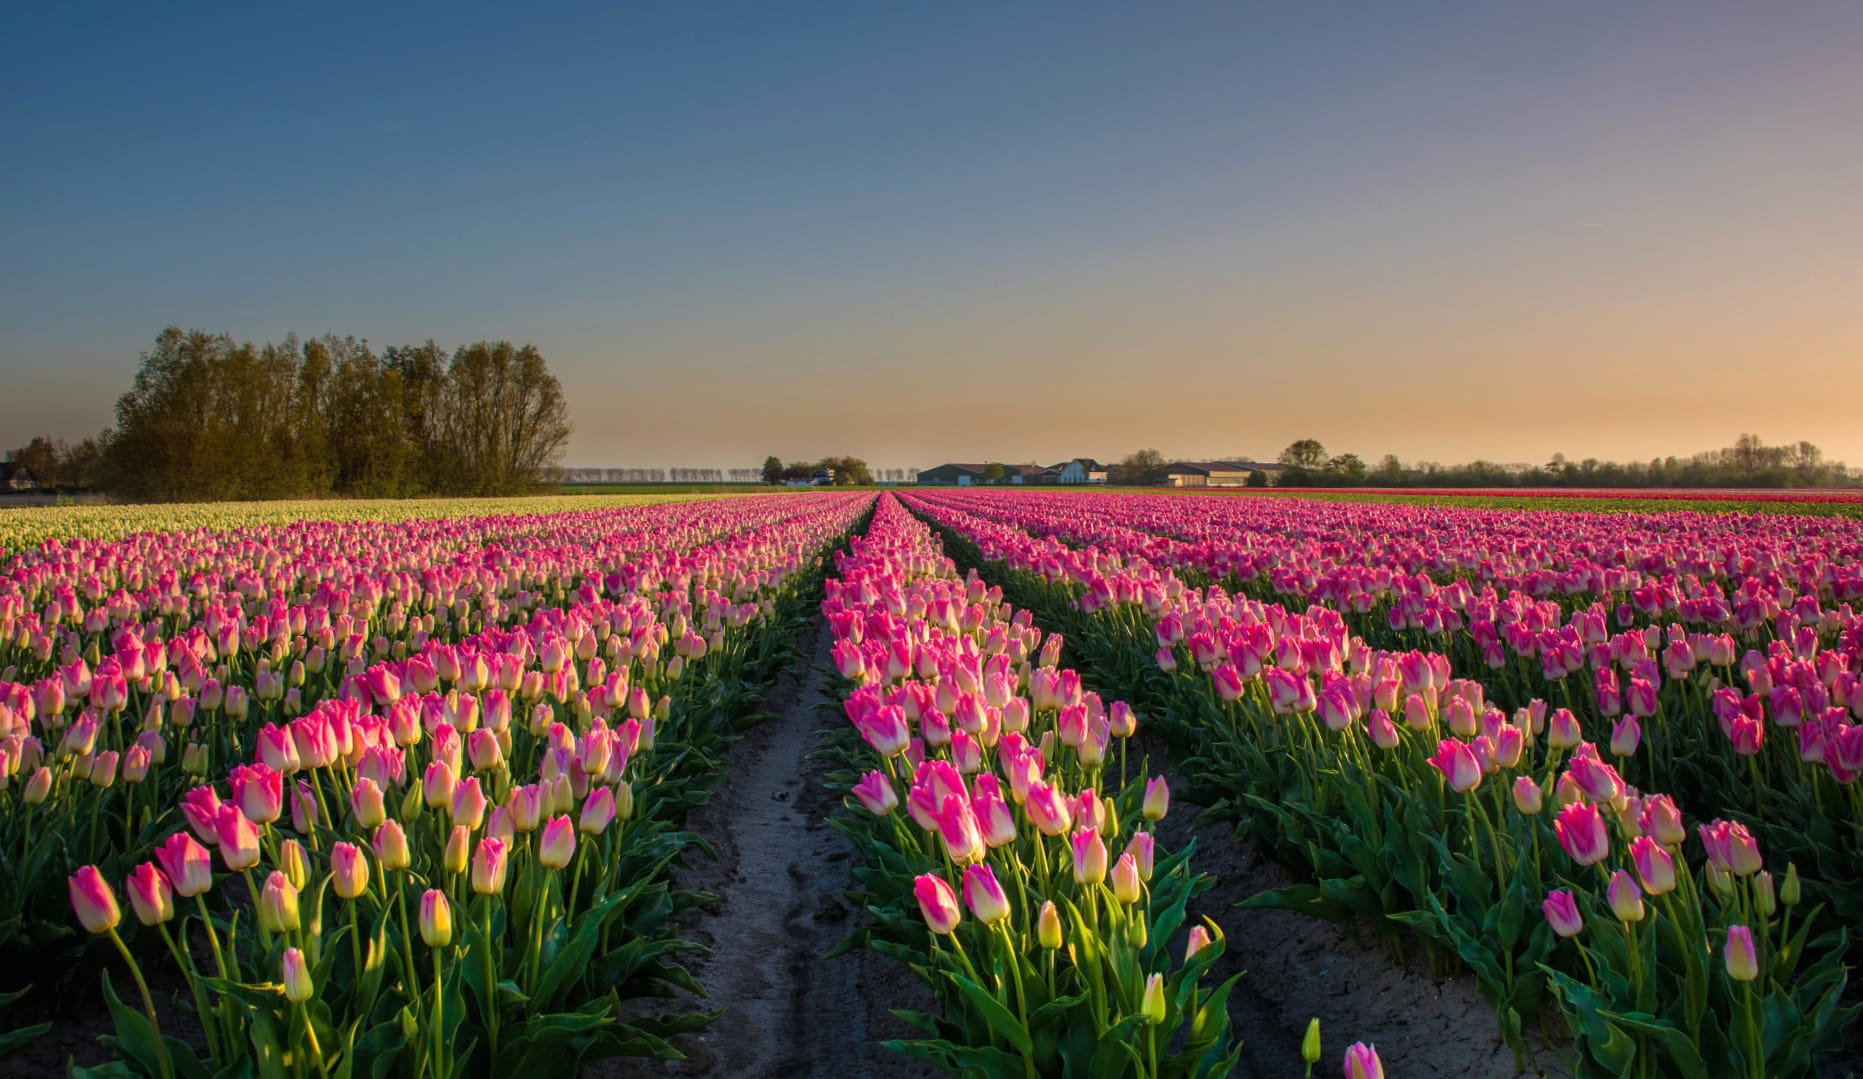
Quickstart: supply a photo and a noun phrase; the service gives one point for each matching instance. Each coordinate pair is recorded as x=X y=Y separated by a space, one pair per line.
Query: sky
x=919 y=232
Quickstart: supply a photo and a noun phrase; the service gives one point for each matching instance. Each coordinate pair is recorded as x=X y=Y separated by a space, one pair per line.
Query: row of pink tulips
x=994 y=796
x=502 y=768
x=1455 y=843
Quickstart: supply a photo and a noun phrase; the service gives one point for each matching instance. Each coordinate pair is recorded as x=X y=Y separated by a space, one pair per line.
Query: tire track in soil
x=780 y=875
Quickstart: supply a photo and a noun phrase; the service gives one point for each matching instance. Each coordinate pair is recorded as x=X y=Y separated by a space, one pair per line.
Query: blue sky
x=917 y=232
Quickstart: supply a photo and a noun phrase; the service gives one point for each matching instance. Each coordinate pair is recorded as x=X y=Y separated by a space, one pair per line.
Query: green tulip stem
x=491 y=975
x=355 y=937
x=407 y=940
x=148 y=1005
x=1022 y=1006
x=310 y=1039
x=439 y=1030
x=200 y=995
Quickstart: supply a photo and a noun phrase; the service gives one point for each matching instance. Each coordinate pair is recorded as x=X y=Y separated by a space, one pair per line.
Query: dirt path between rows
x=780 y=874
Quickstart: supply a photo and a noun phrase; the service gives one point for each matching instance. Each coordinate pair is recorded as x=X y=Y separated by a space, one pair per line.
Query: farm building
x=952 y=475
x=1209 y=473
x=1080 y=470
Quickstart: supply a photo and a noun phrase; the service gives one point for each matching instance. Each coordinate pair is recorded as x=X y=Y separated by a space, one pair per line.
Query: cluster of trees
x=844 y=471
x=56 y=464
x=1749 y=462
x=208 y=418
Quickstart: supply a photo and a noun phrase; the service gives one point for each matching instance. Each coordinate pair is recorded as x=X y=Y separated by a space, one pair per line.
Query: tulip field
x=401 y=789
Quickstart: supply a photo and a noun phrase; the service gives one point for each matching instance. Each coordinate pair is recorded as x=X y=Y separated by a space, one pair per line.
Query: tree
x=1306 y=453
x=773 y=469
x=1257 y=478
x=994 y=473
x=1142 y=468
x=1346 y=467
x=507 y=421
x=42 y=458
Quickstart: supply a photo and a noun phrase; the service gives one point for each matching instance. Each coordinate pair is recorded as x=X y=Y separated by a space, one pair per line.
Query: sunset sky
x=918 y=232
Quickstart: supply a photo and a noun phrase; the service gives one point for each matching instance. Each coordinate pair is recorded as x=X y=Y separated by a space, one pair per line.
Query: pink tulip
x=983 y=895
x=187 y=865
x=1361 y=1062
x=1626 y=734
x=1580 y=828
x=489 y=864
x=1562 y=913
x=150 y=895
x=557 y=845
x=93 y=901
x=598 y=812
x=1655 y=866
x=349 y=870
x=1742 y=960
x=937 y=902
x=1625 y=897
x=238 y=837
x=1089 y=856
x=391 y=845
x=436 y=919
x=1157 y=798
x=1731 y=848
x=1458 y=765
x=259 y=791
x=1048 y=810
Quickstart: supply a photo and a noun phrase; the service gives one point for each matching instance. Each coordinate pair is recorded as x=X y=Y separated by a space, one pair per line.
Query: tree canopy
x=208 y=418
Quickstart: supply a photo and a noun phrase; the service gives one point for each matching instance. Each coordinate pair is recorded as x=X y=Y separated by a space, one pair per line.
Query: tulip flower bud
x=1137 y=935
x=984 y=896
x=1048 y=927
x=349 y=870
x=1199 y=939
x=1151 y=1005
x=1361 y=1062
x=1310 y=1045
x=39 y=787
x=1790 y=890
x=391 y=845
x=624 y=801
x=297 y=979
x=278 y=904
x=1720 y=882
x=436 y=919
x=194 y=759
x=1765 y=900
x=1528 y=797
x=292 y=862
x=1742 y=961
x=458 y=849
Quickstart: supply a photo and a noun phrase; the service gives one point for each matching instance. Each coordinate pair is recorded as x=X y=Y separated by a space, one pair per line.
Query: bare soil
x=780 y=875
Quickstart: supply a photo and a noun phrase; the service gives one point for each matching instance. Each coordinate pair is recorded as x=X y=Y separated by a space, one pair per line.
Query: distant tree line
x=209 y=418
x=1749 y=462
x=841 y=471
